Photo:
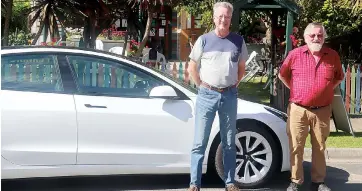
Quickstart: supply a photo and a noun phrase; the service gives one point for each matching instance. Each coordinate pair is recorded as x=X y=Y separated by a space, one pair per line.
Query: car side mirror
x=166 y=92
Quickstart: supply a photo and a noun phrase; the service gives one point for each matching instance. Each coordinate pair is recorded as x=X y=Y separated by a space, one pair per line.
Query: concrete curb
x=338 y=153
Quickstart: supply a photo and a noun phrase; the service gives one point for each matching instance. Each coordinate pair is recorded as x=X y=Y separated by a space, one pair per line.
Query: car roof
x=68 y=49
x=89 y=51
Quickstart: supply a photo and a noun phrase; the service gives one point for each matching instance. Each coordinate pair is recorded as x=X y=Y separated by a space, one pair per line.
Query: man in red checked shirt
x=311 y=72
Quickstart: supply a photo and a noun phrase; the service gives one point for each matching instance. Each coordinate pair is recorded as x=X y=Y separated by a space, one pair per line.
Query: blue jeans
x=209 y=102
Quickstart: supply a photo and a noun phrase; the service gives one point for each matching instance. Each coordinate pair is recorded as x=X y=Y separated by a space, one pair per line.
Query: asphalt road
x=341 y=175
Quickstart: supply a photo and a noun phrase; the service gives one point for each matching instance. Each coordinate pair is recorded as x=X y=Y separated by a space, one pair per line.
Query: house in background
x=171 y=32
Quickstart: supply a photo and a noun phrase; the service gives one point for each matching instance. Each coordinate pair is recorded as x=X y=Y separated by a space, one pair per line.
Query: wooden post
x=113 y=77
x=273 y=84
x=27 y=72
x=13 y=72
x=100 y=75
x=87 y=78
x=348 y=88
x=358 y=90
x=343 y=84
x=180 y=71
x=21 y=72
x=288 y=32
x=353 y=90
x=33 y=72
x=107 y=78
x=235 y=20
x=94 y=72
x=80 y=73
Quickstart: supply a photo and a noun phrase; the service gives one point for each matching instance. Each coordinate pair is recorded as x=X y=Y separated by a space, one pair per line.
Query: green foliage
x=19 y=38
x=19 y=16
x=196 y=7
x=338 y=16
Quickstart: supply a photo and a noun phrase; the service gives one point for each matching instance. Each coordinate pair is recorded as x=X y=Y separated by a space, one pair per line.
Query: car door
x=118 y=122
x=38 y=122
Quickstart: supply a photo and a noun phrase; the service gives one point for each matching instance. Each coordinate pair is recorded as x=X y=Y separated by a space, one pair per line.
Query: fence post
x=21 y=72
x=180 y=71
x=33 y=72
x=174 y=70
x=113 y=77
x=100 y=76
x=88 y=80
x=106 y=76
x=13 y=69
x=358 y=90
x=27 y=72
x=343 y=84
x=353 y=89
x=186 y=73
x=348 y=88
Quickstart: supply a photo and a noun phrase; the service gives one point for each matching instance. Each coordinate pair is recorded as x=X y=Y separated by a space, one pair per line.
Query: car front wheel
x=257 y=155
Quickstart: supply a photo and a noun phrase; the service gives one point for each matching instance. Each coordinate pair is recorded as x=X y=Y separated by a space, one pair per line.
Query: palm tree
x=48 y=12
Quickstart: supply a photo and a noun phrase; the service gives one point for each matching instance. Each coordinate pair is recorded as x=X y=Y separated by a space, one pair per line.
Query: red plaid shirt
x=311 y=83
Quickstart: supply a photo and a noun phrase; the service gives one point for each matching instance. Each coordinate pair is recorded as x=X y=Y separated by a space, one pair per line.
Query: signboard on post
x=339 y=113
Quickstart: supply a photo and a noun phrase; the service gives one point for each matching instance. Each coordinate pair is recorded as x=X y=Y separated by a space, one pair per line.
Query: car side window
x=37 y=73
x=103 y=77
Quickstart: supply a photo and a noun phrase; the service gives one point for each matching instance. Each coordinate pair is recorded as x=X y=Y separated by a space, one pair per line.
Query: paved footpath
x=342 y=176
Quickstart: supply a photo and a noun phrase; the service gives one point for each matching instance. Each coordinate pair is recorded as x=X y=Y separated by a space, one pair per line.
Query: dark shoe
x=319 y=187
x=232 y=187
x=193 y=188
x=294 y=187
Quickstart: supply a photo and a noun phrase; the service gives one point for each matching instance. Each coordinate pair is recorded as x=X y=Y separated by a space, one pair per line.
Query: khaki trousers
x=299 y=121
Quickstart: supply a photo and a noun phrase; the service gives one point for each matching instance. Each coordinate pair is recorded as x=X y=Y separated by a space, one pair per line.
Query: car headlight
x=278 y=113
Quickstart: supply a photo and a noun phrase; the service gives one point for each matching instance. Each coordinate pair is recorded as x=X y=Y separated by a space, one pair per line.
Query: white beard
x=315 y=47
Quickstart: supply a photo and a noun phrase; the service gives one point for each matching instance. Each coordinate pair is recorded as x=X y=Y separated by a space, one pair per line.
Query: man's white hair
x=312 y=25
x=224 y=4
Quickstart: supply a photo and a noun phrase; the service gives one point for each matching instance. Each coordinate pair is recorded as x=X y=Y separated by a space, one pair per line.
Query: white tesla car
x=75 y=112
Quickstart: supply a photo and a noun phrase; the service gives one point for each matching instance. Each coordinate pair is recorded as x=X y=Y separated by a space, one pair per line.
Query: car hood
x=264 y=113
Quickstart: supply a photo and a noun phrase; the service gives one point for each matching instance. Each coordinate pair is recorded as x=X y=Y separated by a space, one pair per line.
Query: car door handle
x=95 y=106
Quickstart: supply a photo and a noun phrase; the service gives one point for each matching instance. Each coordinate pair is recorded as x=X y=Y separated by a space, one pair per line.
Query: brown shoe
x=193 y=188
x=232 y=187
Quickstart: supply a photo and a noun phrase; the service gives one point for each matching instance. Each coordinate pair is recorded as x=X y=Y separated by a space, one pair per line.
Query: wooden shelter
x=279 y=94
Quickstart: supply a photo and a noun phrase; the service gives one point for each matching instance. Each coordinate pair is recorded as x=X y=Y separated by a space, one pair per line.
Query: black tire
x=252 y=128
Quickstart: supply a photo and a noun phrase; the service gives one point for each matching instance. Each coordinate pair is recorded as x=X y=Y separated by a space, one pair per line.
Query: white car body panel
x=133 y=131
x=38 y=128
x=103 y=137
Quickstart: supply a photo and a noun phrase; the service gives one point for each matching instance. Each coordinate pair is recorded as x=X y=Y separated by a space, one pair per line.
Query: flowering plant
x=112 y=34
x=133 y=47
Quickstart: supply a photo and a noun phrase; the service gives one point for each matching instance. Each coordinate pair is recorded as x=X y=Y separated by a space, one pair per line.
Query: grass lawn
x=341 y=140
x=253 y=91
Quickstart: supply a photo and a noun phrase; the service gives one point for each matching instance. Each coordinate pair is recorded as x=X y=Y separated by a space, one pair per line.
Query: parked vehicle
x=70 y=112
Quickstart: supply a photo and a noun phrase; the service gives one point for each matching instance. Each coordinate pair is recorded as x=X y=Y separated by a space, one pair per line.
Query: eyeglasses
x=223 y=16
x=314 y=35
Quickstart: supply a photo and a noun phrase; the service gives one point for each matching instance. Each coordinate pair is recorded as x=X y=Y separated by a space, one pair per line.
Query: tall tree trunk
x=9 y=13
x=125 y=41
x=93 y=36
x=42 y=23
x=86 y=32
x=147 y=32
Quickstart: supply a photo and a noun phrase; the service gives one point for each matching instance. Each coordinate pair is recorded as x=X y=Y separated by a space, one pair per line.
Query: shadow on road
x=337 y=179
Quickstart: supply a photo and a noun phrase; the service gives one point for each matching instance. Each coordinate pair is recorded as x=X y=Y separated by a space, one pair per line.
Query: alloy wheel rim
x=253 y=157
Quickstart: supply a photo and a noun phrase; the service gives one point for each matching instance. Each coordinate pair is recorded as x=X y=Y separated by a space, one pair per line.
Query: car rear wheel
x=257 y=155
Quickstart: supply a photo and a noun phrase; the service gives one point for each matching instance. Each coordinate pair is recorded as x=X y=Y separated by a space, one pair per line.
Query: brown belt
x=310 y=107
x=216 y=88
